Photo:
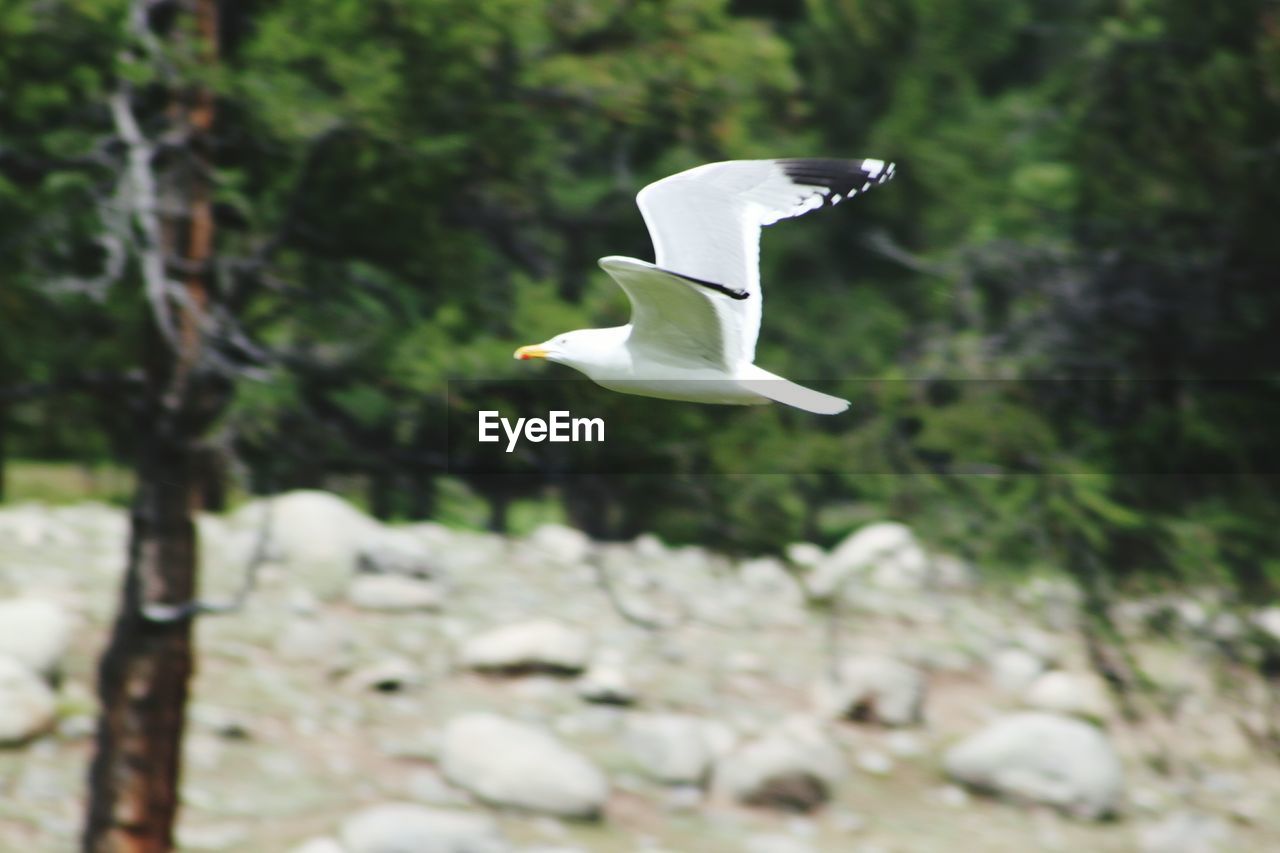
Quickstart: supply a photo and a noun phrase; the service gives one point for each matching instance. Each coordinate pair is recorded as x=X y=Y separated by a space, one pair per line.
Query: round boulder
x=673 y=748
x=874 y=688
x=1043 y=758
x=27 y=705
x=886 y=552
x=1079 y=694
x=319 y=534
x=397 y=552
x=792 y=767
x=510 y=763
x=606 y=683
x=322 y=844
x=1014 y=670
x=404 y=827
x=541 y=645
x=35 y=632
x=393 y=593
x=560 y=545
x=1187 y=832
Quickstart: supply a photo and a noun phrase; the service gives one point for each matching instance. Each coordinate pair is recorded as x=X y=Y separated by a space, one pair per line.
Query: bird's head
x=581 y=348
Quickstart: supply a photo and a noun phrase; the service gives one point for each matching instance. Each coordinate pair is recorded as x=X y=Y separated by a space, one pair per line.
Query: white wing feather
x=705 y=223
x=673 y=320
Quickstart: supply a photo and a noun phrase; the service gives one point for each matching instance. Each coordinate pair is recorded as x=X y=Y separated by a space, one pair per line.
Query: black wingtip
x=841 y=178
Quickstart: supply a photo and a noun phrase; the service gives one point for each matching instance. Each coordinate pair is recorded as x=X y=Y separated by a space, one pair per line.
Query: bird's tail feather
x=785 y=391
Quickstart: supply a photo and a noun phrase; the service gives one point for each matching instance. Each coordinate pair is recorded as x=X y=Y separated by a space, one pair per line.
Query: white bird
x=695 y=312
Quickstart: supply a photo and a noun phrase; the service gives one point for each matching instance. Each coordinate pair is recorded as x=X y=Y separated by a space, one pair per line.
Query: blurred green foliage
x=1084 y=220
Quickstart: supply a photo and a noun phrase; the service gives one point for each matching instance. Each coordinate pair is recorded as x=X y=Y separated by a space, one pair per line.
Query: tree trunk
x=211 y=478
x=144 y=673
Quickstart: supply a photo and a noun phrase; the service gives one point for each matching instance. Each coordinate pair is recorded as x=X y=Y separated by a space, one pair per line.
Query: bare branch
x=96 y=287
x=141 y=202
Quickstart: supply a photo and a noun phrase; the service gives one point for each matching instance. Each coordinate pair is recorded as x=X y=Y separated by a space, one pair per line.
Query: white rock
x=27 y=705
x=308 y=639
x=457 y=552
x=806 y=555
x=874 y=762
x=393 y=593
x=428 y=786
x=322 y=844
x=1053 y=595
x=1048 y=647
x=539 y=645
x=319 y=534
x=647 y=546
x=397 y=552
x=768 y=578
x=559 y=544
x=217 y=836
x=775 y=843
x=97 y=520
x=1226 y=627
x=951 y=795
x=35 y=632
x=671 y=748
x=874 y=688
x=886 y=553
x=1044 y=758
x=745 y=663
x=1191 y=614
x=684 y=798
x=388 y=676
x=1267 y=621
x=904 y=744
x=223 y=722
x=792 y=766
x=846 y=822
x=510 y=763
x=598 y=720
x=1186 y=832
x=1014 y=670
x=1080 y=694
x=606 y=684
x=721 y=737
x=410 y=828
x=33 y=526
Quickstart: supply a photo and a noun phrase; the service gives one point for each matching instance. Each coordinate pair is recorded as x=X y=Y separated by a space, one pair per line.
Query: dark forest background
x=351 y=203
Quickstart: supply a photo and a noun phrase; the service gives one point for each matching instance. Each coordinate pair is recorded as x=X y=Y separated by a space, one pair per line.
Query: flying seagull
x=695 y=312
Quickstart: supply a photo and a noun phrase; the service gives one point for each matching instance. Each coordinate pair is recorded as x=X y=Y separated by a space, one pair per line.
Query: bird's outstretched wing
x=677 y=320
x=705 y=223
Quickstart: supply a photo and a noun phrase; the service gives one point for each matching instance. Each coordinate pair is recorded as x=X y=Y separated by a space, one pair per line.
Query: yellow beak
x=535 y=351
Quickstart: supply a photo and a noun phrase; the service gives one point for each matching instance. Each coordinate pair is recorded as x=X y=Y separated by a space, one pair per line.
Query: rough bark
x=145 y=671
x=211 y=478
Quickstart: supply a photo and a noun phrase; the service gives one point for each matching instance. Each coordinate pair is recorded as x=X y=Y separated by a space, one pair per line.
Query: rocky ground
x=393 y=689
